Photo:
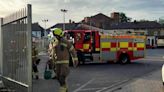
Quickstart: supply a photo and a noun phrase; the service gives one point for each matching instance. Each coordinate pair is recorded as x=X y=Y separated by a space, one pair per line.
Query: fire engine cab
x=92 y=46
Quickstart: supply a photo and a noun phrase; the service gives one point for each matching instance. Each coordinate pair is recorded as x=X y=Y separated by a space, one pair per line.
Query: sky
x=78 y=9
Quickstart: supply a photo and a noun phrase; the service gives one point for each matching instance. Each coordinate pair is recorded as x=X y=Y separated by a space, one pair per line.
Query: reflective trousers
x=62 y=72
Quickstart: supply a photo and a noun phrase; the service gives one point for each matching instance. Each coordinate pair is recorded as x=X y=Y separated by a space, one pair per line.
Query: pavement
x=151 y=82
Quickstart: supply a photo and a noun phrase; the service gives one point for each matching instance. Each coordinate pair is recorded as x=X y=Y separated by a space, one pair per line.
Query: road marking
x=89 y=89
x=131 y=81
x=78 y=89
x=114 y=85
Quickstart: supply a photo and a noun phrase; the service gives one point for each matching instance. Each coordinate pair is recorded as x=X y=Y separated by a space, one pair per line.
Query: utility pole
x=64 y=11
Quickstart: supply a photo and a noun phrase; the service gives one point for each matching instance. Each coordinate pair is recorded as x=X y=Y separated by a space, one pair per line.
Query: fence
x=16 y=50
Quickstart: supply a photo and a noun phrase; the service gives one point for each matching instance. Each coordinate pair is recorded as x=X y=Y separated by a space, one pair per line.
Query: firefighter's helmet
x=58 y=32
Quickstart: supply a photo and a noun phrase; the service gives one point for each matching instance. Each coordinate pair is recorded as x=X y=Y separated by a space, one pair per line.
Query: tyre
x=124 y=59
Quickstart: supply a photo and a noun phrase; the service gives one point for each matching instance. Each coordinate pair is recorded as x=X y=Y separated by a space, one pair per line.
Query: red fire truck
x=92 y=46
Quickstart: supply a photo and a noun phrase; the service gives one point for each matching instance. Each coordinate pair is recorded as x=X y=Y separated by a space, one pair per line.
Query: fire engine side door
x=87 y=42
x=95 y=42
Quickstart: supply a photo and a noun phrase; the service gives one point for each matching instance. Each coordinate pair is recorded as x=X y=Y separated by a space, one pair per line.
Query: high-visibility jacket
x=63 y=49
x=51 y=51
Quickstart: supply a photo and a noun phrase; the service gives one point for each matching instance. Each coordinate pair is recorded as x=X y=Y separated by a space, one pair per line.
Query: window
x=78 y=36
x=87 y=36
x=148 y=41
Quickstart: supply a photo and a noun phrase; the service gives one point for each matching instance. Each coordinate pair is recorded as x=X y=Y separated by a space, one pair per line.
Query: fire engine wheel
x=124 y=59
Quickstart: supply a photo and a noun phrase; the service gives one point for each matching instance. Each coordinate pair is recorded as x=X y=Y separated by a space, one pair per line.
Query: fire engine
x=92 y=46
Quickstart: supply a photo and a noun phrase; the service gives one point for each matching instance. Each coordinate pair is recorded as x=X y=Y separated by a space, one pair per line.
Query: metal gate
x=16 y=50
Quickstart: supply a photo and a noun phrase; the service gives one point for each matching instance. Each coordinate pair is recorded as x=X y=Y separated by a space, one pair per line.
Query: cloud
x=78 y=9
x=9 y=6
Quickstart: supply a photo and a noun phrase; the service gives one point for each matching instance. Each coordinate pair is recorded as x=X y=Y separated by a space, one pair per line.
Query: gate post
x=1 y=46
x=29 y=44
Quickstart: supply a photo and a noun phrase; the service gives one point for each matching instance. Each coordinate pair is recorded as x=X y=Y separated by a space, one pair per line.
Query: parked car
x=163 y=74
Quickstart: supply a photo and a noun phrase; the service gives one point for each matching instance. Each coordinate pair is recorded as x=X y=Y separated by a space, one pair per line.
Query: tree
x=161 y=21
x=124 y=18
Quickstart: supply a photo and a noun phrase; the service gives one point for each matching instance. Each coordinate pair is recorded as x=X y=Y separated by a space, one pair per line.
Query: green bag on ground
x=47 y=73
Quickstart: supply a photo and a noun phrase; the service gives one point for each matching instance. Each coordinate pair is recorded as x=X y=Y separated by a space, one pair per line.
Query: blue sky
x=78 y=9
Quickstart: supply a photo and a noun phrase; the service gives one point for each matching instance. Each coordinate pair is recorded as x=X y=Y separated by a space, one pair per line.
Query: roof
x=100 y=15
x=68 y=26
x=136 y=25
x=37 y=27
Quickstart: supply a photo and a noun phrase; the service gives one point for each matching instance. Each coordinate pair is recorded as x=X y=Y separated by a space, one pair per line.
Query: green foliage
x=124 y=18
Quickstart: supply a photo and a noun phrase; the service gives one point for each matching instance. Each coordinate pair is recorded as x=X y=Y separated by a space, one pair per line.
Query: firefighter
x=35 y=61
x=52 y=55
x=62 y=49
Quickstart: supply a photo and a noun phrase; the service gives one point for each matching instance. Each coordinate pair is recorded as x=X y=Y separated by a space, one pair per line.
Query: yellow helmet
x=58 y=32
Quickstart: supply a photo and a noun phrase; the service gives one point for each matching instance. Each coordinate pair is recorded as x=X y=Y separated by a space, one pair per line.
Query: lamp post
x=64 y=11
x=90 y=23
x=45 y=21
x=44 y=40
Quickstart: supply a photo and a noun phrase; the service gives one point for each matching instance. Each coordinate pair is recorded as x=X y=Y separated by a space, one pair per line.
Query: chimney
x=115 y=15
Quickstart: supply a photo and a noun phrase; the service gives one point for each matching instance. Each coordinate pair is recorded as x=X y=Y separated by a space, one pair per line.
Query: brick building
x=102 y=21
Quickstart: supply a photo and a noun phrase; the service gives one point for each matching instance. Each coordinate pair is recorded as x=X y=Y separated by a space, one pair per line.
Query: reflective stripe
x=105 y=45
x=140 y=45
x=65 y=45
x=113 y=49
x=62 y=62
x=97 y=49
x=105 y=36
x=135 y=49
x=75 y=59
x=71 y=48
x=123 y=44
x=130 y=48
x=123 y=36
x=81 y=50
x=85 y=46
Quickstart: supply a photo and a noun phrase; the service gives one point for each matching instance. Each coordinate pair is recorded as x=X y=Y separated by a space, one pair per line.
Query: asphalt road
x=102 y=77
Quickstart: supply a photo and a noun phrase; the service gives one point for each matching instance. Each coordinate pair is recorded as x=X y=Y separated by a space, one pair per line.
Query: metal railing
x=16 y=50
